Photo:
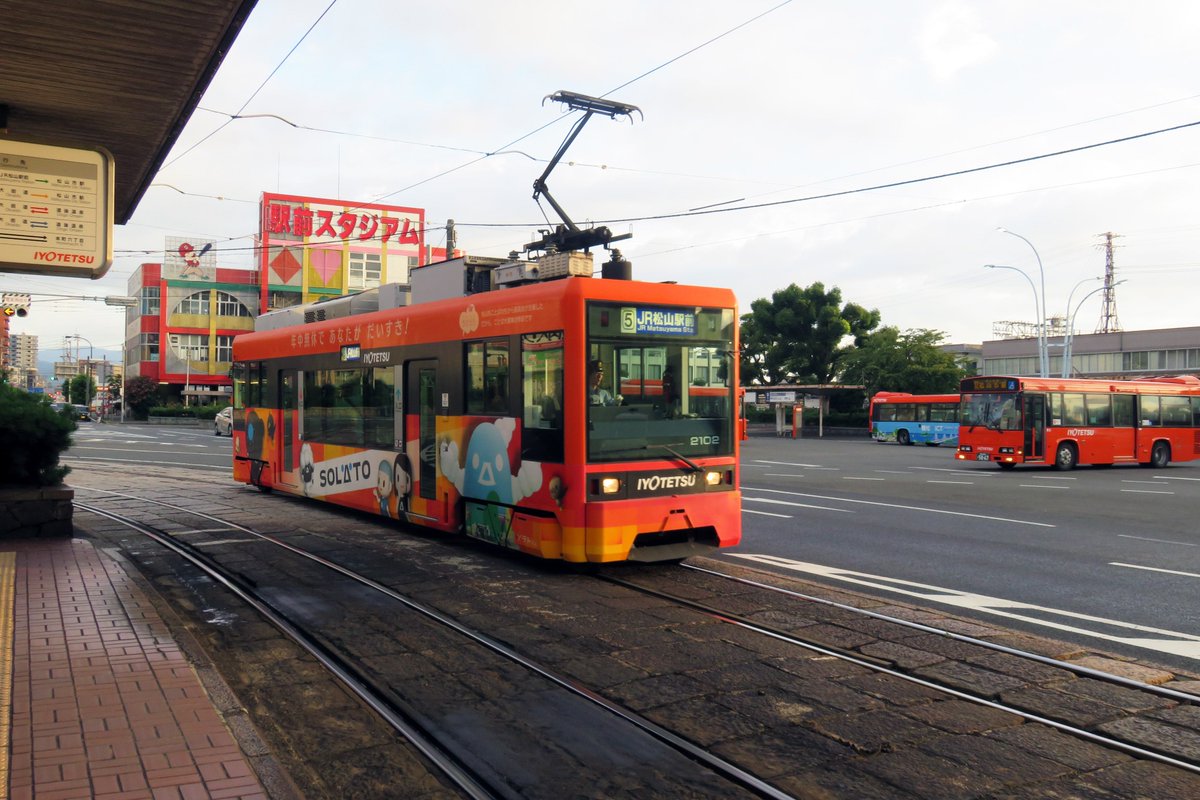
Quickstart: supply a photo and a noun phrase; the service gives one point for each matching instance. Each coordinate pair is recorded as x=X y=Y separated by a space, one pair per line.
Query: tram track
x=773 y=710
x=878 y=665
x=674 y=759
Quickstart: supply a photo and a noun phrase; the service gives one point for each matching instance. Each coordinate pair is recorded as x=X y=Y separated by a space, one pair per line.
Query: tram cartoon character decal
x=486 y=479
x=385 y=487
x=402 y=481
x=307 y=468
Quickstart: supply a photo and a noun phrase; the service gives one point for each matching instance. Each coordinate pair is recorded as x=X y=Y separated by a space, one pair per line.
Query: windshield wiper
x=692 y=465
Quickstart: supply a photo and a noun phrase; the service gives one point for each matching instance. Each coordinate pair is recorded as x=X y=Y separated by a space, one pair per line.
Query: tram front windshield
x=660 y=382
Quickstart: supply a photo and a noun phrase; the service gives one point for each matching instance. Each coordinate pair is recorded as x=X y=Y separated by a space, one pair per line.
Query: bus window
x=1148 y=410
x=1176 y=412
x=1123 y=410
x=1073 y=409
x=1099 y=411
x=1196 y=412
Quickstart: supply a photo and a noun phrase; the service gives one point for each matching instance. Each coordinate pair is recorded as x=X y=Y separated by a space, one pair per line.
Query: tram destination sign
x=56 y=210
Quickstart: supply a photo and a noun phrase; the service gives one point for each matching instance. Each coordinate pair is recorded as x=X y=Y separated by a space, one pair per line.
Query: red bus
x=1066 y=422
x=931 y=419
x=475 y=414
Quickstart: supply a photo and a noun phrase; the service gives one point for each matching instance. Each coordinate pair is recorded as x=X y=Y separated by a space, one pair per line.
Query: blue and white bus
x=904 y=418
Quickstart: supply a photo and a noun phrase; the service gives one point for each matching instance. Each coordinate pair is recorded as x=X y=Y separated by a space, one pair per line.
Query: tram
x=587 y=419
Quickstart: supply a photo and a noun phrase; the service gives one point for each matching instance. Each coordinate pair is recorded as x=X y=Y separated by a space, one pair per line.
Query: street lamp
x=126 y=302
x=1042 y=348
x=1041 y=344
x=1066 y=373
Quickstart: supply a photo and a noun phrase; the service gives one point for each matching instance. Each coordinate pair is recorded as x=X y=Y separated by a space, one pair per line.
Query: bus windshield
x=660 y=382
x=995 y=410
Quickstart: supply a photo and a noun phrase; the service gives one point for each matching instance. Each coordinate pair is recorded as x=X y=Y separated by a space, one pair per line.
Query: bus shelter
x=790 y=400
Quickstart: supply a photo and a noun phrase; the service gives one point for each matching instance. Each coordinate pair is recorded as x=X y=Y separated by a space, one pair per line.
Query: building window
x=195 y=303
x=150 y=299
x=366 y=270
x=224 y=349
x=149 y=345
x=277 y=300
x=230 y=306
x=190 y=346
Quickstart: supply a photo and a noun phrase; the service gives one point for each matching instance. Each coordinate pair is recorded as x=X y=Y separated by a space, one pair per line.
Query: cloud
x=951 y=40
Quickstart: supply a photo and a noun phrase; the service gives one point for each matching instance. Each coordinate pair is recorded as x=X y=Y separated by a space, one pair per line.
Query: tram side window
x=542 y=396
x=249 y=384
x=1099 y=410
x=1176 y=412
x=487 y=377
x=349 y=406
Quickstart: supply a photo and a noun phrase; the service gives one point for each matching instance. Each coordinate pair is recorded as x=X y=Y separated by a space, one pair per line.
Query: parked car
x=223 y=422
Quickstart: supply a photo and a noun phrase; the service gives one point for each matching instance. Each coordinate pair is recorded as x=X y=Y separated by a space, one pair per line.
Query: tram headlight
x=713 y=478
x=610 y=485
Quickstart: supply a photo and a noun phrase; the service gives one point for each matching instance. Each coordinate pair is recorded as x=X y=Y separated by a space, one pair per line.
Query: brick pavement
x=104 y=703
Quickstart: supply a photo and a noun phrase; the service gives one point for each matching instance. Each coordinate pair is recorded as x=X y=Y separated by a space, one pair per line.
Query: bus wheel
x=1066 y=456
x=902 y=437
x=1160 y=455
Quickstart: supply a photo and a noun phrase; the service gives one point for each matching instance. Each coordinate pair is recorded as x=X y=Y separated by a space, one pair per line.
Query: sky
x=910 y=113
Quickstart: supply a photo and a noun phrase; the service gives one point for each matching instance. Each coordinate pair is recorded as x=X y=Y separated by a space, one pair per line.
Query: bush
x=34 y=436
x=194 y=412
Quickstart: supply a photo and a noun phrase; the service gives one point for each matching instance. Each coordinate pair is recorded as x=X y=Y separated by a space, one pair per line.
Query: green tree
x=797 y=336
x=34 y=435
x=114 y=387
x=80 y=389
x=908 y=361
x=141 y=392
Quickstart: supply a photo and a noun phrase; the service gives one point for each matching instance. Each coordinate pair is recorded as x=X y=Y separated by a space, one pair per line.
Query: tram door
x=286 y=451
x=1035 y=425
x=422 y=398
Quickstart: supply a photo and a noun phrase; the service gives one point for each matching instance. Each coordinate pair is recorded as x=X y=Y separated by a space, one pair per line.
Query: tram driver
x=597 y=394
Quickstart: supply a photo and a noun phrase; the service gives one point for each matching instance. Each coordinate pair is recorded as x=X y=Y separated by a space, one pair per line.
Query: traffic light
x=16 y=304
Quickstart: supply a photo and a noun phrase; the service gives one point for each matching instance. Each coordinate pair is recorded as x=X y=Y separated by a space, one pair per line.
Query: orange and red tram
x=477 y=414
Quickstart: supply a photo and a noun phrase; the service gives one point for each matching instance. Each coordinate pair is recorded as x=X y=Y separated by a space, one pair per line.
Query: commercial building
x=181 y=332
x=1120 y=354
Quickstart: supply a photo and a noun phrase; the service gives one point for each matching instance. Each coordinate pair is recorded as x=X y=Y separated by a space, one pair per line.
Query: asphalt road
x=1109 y=558
x=153 y=445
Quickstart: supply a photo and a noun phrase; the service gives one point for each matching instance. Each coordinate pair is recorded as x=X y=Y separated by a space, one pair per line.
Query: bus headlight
x=713 y=478
x=610 y=485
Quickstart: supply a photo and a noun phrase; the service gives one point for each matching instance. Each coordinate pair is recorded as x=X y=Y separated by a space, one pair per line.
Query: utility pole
x=1108 y=313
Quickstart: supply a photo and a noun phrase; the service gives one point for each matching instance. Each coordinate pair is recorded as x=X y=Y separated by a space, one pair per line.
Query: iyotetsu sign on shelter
x=56 y=210
x=313 y=247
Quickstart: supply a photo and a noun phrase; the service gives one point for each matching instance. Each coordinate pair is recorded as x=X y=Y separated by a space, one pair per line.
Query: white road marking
x=1174 y=478
x=1052 y=478
x=894 y=471
x=765 y=513
x=906 y=508
x=1145 y=491
x=852 y=478
x=1160 y=541
x=1152 y=483
x=794 y=505
x=954 y=483
x=959 y=471
x=139 y=462
x=1155 y=569
x=1158 y=639
x=1039 y=486
x=802 y=466
x=782 y=475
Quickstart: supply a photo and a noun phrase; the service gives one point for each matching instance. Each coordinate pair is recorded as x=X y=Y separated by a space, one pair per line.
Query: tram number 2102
x=699 y=441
